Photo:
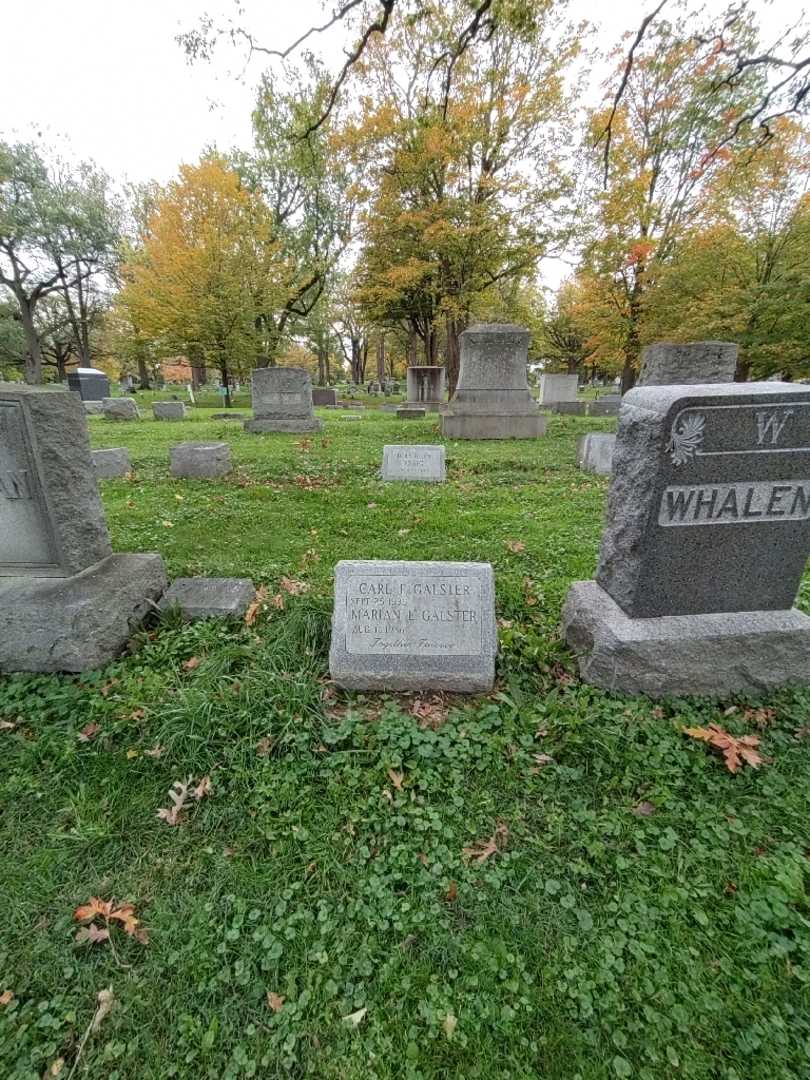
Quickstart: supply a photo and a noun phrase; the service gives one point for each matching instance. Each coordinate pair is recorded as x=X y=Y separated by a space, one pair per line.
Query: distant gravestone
x=120 y=408
x=705 y=542
x=169 y=410
x=595 y=453
x=492 y=398
x=322 y=395
x=67 y=603
x=554 y=388
x=425 y=387
x=605 y=406
x=413 y=626
x=408 y=412
x=111 y=463
x=414 y=462
x=571 y=408
x=665 y=363
x=93 y=408
x=200 y=461
x=282 y=401
x=209 y=598
x=90 y=384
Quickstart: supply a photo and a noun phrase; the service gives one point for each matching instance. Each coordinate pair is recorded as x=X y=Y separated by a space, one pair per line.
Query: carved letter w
x=768 y=423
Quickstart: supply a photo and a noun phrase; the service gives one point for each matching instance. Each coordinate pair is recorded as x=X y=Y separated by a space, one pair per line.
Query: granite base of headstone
x=228 y=416
x=323 y=396
x=705 y=542
x=492 y=398
x=408 y=412
x=111 y=463
x=200 y=461
x=414 y=626
x=209 y=598
x=695 y=362
x=414 y=462
x=68 y=603
x=570 y=408
x=120 y=408
x=282 y=401
x=595 y=453
x=169 y=410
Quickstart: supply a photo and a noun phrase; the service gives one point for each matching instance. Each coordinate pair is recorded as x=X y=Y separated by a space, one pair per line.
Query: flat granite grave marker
x=413 y=626
x=169 y=410
x=67 y=603
x=209 y=598
x=414 y=462
x=199 y=461
x=706 y=538
x=111 y=463
x=282 y=401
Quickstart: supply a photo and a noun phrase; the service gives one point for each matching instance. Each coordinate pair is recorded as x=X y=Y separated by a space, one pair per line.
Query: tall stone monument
x=67 y=603
x=425 y=387
x=492 y=399
x=706 y=538
x=282 y=401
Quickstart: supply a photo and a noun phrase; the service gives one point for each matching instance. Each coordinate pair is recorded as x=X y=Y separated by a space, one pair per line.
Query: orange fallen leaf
x=396 y=778
x=88 y=732
x=92 y=908
x=293 y=587
x=481 y=850
x=255 y=606
x=91 y=935
x=452 y=893
x=735 y=751
x=515 y=546
x=6 y=997
x=275 y=1001
x=190 y=664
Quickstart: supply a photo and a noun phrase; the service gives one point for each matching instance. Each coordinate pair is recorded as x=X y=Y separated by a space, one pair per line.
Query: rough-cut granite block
x=206 y=598
x=111 y=463
x=413 y=626
x=51 y=519
x=77 y=623
x=169 y=410
x=678 y=655
x=120 y=408
x=194 y=461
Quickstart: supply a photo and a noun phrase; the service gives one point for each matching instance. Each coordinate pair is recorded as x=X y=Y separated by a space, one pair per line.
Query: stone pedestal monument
x=492 y=399
x=67 y=603
x=706 y=538
x=425 y=387
x=282 y=401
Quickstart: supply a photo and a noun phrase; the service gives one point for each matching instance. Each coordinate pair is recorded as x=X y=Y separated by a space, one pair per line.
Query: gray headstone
x=595 y=453
x=709 y=509
x=282 y=401
x=492 y=398
x=666 y=364
x=571 y=408
x=407 y=412
x=413 y=462
x=604 y=407
x=425 y=387
x=560 y=387
x=89 y=383
x=206 y=598
x=414 y=626
x=121 y=408
x=322 y=395
x=51 y=520
x=93 y=408
x=111 y=463
x=196 y=461
x=169 y=410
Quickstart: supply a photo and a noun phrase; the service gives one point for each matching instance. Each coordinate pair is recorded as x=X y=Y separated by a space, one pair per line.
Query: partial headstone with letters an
x=706 y=538
x=67 y=603
x=413 y=626
x=414 y=462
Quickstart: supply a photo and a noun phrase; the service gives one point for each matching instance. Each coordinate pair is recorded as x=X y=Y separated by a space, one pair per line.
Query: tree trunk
x=411 y=361
x=381 y=359
x=632 y=347
x=33 y=349
x=321 y=366
x=223 y=371
x=143 y=374
x=743 y=369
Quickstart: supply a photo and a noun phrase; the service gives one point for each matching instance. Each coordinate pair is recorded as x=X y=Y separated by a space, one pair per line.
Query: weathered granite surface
x=413 y=626
x=570 y=408
x=322 y=395
x=169 y=410
x=425 y=387
x=120 y=408
x=710 y=654
x=111 y=463
x=709 y=507
x=264 y=427
x=282 y=401
x=412 y=461
x=80 y=622
x=206 y=598
x=51 y=518
x=559 y=387
x=492 y=398
x=595 y=453
x=93 y=408
x=604 y=407
x=200 y=460
x=409 y=413
x=667 y=363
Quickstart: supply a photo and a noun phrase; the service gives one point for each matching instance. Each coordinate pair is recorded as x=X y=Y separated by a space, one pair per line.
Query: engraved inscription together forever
x=401 y=614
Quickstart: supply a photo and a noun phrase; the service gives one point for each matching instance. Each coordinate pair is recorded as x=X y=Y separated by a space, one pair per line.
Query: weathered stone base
x=428 y=406
x=77 y=623
x=473 y=426
x=261 y=427
x=209 y=598
x=595 y=453
x=411 y=412
x=678 y=655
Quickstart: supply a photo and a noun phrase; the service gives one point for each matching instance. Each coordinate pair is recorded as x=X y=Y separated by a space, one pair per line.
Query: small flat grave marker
x=414 y=462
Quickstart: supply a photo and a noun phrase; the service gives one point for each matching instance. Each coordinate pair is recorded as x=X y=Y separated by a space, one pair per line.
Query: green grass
x=599 y=943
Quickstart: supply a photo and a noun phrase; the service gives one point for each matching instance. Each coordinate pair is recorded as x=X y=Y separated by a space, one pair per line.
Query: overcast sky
x=108 y=77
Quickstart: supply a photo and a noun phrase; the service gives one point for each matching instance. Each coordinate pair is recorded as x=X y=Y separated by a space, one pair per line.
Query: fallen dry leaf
x=452 y=893
x=89 y=732
x=6 y=997
x=56 y=1067
x=278 y=602
x=190 y=664
x=761 y=718
x=156 y=751
x=106 y=1001
x=396 y=778
x=355 y=1018
x=643 y=809
x=515 y=546
x=178 y=793
x=255 y=606
x=293 y=587
x=735 y=751
x=275 y=1001
x=92 y=935
x=542 y=760
x=561 y=676
x=264 y=746
x=449 y=1025
x=481 y=850
x=423 y=859
x=203 y=788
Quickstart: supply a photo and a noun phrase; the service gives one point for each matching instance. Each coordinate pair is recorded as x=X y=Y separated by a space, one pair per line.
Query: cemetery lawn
x=625 y=906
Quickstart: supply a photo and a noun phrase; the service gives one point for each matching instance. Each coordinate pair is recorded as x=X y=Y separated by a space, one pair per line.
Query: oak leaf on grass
x=735 y=750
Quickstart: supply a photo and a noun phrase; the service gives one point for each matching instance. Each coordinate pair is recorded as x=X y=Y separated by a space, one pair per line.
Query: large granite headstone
x=89 y=383
x=323 y=395
x=706 y=538
x=169 y=410
x=492 y=399
x=67 y=603
x=120 y=408
x=425 y=387
x=667 y=363
x=414 y=462
x=282 y=401
x=558 y=387
x=414 y=626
